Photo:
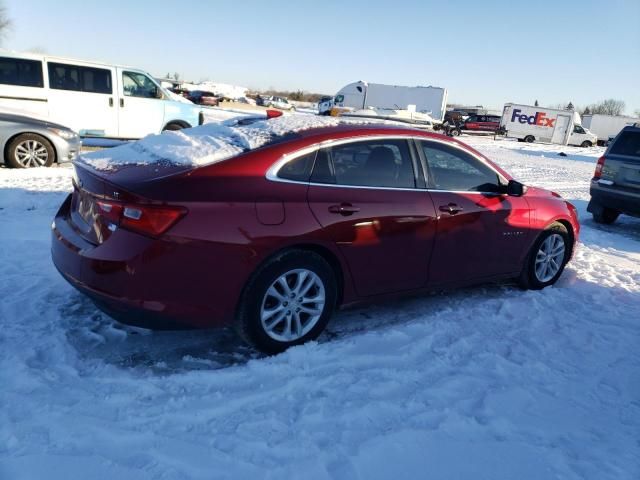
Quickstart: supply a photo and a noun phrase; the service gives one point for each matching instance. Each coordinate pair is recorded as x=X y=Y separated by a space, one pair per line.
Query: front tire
x=546 y=260
x=287 y=302
x=173 y=126
x=586 y=144
x=605 y=216
x=529 y=139
x=30 y=150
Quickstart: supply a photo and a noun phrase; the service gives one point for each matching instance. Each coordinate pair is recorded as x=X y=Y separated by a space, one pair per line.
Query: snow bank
x=203 y=145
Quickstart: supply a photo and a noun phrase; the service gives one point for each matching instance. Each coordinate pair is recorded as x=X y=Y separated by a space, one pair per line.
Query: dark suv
x=482 y=123
x=615 y=186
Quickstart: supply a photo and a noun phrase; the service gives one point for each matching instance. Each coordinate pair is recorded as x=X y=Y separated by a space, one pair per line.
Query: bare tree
x=5 y=22
x=608 y=107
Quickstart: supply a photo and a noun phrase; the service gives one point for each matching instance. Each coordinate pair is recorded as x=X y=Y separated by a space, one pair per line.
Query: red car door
x=364 y=195
x=481 y=232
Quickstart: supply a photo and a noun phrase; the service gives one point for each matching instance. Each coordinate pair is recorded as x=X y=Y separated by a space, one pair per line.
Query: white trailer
x=606 y=126
x=363 y=95
x=537 y=124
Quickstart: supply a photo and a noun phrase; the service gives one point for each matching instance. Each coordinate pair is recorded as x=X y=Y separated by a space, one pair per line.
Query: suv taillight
x=148 y=220
x=599 y=166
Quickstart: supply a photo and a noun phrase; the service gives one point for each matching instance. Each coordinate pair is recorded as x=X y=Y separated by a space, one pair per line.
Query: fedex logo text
x=539 y=118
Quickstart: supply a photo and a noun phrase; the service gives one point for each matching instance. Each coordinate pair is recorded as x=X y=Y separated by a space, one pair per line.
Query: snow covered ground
x=485 y=383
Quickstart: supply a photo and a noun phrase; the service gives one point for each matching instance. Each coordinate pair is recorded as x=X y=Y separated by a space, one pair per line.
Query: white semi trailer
x=363 y=95
x=606 y=126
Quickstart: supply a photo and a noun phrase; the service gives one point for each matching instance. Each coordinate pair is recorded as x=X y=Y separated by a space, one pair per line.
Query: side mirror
x=515 y=188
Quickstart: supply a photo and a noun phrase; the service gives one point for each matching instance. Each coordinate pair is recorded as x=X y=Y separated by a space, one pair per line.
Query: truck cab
x=582 y=137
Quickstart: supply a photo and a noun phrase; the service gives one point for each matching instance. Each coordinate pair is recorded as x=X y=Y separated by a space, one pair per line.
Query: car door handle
x=344 y=209
x=121 y=102
x=451 y=208
x=111 y=101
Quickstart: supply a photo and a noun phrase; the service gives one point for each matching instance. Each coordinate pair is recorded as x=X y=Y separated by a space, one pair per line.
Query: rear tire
x=529 y=139
x=605 y=216
x=30 y=150
x=546 y=260
x=279 y=287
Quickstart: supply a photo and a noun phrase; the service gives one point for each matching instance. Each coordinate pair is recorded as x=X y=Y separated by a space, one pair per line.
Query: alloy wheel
x=292 y=305
x=31 y=153
x=549 y=257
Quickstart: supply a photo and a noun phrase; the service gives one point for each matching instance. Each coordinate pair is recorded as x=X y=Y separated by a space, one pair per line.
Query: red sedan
x=272 y=240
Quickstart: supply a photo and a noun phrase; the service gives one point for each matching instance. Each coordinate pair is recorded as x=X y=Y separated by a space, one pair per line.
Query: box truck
x=537 y=124
x=606 y=127
x=94 y=99
x=363 y=95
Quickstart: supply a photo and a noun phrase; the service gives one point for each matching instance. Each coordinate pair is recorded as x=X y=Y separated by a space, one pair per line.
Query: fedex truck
x=606 y=126
x=363 y=95
x=528 y=123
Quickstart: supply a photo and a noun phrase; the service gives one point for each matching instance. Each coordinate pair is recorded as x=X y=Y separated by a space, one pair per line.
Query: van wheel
x=287 y=302
x=605 y=216
x=529 y=138
x=586 y=144
x=30 y=150
x=173 y=126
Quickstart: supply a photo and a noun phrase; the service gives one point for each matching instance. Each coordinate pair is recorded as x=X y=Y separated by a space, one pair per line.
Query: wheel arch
x=330 y=257
x=181 y=123
x=5 y=147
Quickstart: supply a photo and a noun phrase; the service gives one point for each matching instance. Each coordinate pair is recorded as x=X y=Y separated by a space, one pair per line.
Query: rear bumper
x=624 y=202
x=153 y=283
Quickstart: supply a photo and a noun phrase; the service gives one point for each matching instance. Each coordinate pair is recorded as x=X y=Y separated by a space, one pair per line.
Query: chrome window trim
x=272 y=172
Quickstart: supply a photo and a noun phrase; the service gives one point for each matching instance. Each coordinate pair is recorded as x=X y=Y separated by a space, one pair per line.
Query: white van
x=529 y=123
x=94 y=99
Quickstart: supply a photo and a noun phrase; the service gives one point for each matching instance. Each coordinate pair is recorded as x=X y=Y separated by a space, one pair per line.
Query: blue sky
x=484 y=52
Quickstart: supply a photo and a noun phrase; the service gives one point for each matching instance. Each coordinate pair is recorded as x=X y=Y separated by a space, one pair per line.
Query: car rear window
x=628 y=143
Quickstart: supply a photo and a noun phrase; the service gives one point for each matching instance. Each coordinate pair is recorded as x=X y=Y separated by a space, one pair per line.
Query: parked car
x=93 y=99
x=615 y=186
x=273 y=239
x=28 y=142
x=278 y=102
x=201 y=97
x=482 y=123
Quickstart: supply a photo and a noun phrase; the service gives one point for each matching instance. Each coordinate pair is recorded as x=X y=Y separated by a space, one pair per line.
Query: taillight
x=599 y=166
x=148 y=220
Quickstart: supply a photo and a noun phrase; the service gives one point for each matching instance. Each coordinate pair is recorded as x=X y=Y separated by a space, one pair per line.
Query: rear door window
x=628 y=143
x=452 y=169
x=20 y=72
x=298 y=169
x=370 y=163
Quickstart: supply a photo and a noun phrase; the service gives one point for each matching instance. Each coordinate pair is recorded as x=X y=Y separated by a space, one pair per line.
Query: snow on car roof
x=206 y=144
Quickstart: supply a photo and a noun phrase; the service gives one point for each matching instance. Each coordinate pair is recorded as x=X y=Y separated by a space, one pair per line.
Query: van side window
x=136 y=84
x=25 y=73
x=80 y=79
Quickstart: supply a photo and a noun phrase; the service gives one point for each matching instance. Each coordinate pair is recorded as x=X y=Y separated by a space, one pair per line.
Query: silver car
x=29 y=142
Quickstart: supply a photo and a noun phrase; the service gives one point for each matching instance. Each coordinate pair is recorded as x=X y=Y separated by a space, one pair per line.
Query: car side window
x=298 y=169
x=453 y=169
x=136 y=84
x=370 y=163
x=25 y=73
